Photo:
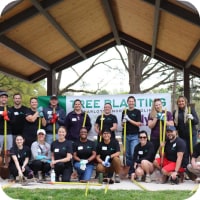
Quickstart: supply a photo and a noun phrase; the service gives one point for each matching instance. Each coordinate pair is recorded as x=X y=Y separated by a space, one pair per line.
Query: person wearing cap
x=18 y=112
x=109 y=121
x=155 y=120
x=32 y=122
x=61 y=156
x=5 y=115
x=84 y=156
x=74 y=121
x=58 y=117
x=143 y=158
x=108 y=152
x=181 y=117
x=133 y=120
x=173 y=162
x=41 y=155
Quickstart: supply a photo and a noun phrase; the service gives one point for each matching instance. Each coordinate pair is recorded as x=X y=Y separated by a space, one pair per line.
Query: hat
x=53 y=97
x=41 y=131
x=171 y=128
x=3 y=93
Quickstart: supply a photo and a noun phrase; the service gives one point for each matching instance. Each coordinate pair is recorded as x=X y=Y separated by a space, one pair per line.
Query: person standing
x=181 y=120
x=41 y=155
x=5 y=115
x=84 y=156
x=32 y=122
x=18 y=112
x=61 y=159
x=155 y=120
x=74 y=121
x=132 y=117
x=53 y=114
x=143 y=158
x=107 y=121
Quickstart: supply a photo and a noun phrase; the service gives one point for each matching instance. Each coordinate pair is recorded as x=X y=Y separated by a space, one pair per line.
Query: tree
x=27 y=90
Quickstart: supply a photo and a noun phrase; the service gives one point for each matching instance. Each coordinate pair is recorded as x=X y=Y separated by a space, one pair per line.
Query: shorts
x=169 y=166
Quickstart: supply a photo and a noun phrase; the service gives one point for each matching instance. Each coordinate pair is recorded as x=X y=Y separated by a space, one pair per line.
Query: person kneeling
x=108 y=152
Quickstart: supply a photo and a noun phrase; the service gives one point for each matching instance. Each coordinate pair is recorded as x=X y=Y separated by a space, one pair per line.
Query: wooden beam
x=25 y=15
x=155 y=27
x=58 y=27
x=111 y=20
x=193 y=55
x=23 y=52
x=178 y=11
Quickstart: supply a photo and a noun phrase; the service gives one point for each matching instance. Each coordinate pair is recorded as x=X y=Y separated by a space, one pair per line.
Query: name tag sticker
x=174 y=145
x=74 y=119
x=80 y=147
x=16 y=113
x=104 y=148
x=56 y=150
x=140 y=152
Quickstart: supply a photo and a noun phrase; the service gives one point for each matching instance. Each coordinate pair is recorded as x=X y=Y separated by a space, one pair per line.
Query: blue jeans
x=131 y=142
x=49 y=138
x=84 y=174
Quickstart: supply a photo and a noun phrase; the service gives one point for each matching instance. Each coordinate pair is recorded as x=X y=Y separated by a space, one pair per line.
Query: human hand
x=40 y=111
x=54 y=118
x=126 y=117
x=40 y=157
x=190 y=116
x=83 y=164
x=160 y=116
x=5 y=115
x=106 y=163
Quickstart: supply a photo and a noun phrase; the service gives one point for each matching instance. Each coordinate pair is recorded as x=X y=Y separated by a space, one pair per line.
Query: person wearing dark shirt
x=74 y=121
x=20 y=156
x=108 y=152
x=18 y=112
x=84 y=155
x=155 y=120
x=174 y=158
x=5 y=117
x=62 y=151
x=32 y=122
x=194 y=166
x=133 y=119
x=107 y=121
x=58 y=118
x=143 y=158
x=181 y=120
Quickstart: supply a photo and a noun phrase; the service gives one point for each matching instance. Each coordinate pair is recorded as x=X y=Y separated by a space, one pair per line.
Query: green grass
x=78 y=194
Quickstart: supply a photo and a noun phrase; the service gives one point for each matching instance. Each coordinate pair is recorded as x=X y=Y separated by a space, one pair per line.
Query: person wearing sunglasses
x=41 y=156
x=84 y=156
x=143 y=158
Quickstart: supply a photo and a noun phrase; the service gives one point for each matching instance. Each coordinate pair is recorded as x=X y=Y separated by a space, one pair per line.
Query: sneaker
x=139 y=178
x=117 y=178
x=39 y=175
x=148 y=179
x=174 y=181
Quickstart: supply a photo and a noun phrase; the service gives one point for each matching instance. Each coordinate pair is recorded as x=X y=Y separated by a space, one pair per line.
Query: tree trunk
x=135 y=60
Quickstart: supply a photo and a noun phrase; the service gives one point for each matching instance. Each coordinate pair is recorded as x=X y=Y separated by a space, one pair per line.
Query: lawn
x=78 y=194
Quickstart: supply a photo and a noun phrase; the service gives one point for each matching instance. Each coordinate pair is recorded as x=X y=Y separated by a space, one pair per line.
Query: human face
x=34 y=104
x=61 y=133
x=143 y=138
x=106 y=136
x=77 y=105
x=131 y=103
x=54 y=102
x=171 y=135
x=3 y=99
x=19 y=141
x=107 y=109
x=158 y=106
x=83 y=133
x=17 y=100
x=41 y=137
x=181 y=103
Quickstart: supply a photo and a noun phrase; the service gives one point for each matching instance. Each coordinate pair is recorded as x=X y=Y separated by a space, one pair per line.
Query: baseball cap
x=41 y=131
x=3 y=93
x=171 y=128
x=53 y=97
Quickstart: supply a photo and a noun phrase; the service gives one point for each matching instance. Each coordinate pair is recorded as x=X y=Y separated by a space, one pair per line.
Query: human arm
x=19 y=169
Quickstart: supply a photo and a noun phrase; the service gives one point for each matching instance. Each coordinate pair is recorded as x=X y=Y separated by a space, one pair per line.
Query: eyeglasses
x=41 y=134
x=142 y=137
x=83 y=132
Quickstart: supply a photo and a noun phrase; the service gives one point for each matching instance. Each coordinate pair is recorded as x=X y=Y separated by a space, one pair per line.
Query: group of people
x=47 y=138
